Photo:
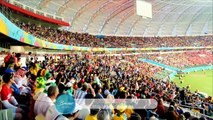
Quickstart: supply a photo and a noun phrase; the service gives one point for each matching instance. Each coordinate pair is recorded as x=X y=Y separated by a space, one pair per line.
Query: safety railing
x=40 y=12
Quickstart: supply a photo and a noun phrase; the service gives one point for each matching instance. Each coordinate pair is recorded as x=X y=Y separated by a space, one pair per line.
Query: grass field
x=201 y=80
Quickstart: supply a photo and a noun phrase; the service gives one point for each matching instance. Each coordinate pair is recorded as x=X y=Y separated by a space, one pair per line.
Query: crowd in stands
x=33 y=89
x=87 y=40
x=185 y=59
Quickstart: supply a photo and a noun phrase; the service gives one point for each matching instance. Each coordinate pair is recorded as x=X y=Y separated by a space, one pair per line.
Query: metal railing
x=40 y=12
x=5 y=10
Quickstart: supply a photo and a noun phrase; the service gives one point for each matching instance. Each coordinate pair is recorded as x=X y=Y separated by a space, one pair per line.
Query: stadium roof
x=118 y=17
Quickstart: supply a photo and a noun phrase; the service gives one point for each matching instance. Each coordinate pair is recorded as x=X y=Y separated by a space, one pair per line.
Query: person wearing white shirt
x=86 y=107
x=44 y=101
x=20 y=78
x=28 y=58
x=52 y=112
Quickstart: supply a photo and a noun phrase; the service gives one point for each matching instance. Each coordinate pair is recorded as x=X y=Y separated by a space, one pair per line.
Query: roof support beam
x=145 y=32
x=131 y=27
x=159 y=31
x=189 y=30
x=168 y=14
x=43 y=4
x=180 y=15
x=114 y=12
x=178 y=18
x=205 y=29
x=64 y=7
x=94 y=15
x=79 y=12
x=195 y=16
x=128 y=14
x=135 y=22
x=174 y=31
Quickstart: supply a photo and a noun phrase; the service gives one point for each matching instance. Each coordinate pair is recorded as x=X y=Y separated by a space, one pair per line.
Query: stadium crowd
x=33 y=89
x=183 y=59
x=87 y=40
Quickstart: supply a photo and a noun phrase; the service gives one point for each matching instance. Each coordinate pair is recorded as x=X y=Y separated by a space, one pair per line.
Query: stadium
x=106 y=60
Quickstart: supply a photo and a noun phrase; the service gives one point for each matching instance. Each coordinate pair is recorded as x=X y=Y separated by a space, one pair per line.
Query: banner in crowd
x=11 y=30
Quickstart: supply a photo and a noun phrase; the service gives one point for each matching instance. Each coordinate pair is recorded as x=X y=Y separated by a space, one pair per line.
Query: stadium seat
x=6 y=114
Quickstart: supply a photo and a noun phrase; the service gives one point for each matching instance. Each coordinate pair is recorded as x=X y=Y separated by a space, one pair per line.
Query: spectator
x=160 y=109
x=98 y=91
x=129 y=80
x=7 y=98
x=120 y=112
x=171 y=114
x=86 y=108
x=52 y=113
x=187 y=115
x=135 y=116
x=44 y=101
x=93 y=114
x=28 y=59
x=19 y=80
x=103 y=115
x=80 y=93
x=87 y=40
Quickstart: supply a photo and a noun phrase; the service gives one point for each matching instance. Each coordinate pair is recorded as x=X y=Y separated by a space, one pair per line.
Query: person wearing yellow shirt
x=18 y=62
x=92 y=115
x=121 y=112
x=34 y=69
x=129 y=111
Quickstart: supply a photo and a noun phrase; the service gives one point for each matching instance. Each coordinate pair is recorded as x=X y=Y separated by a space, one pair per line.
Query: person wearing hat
x=121 y=112
x=43 y=81
x=8 y=100
x=19 y=79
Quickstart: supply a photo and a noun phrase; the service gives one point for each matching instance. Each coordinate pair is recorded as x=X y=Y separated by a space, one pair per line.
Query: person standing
x=28 y=59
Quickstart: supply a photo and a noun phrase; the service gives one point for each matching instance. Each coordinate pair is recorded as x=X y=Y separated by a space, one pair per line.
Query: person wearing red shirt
x=160 y=109
x=6 y=59
x=8 y=100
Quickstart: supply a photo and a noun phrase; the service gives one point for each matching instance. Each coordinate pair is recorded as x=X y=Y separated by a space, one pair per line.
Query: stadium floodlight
x=144 y=9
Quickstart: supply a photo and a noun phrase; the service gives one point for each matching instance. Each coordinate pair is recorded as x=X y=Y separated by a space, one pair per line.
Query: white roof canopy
x=118 y=17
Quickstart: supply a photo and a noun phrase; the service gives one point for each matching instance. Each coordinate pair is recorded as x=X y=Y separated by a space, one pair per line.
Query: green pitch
x=201 y=80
